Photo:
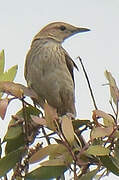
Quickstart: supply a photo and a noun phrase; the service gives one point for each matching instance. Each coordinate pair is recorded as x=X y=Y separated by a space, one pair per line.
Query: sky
x=99 y=48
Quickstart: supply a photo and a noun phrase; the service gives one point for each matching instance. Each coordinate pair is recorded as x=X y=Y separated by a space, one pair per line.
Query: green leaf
x=114 y=91
x=15 y=143
x=108 y=163
x=2 y=61
x=110 y=78
x=15 y=135
x=98 y=150
x=0 y=148
x=9 y=75
x=9 y=161
x=46 y=173
x=79 y=123
x=54 y=162
x=90 y=175
x=61 y=160
x=115 y=157
x=14 y=131
x=52 y=150
x=42 y=153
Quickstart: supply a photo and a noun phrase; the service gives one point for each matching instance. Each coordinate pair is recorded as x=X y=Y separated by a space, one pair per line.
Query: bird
x=49 y=69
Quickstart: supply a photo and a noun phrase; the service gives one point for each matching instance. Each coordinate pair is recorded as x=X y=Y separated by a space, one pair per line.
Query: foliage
x=57 y=144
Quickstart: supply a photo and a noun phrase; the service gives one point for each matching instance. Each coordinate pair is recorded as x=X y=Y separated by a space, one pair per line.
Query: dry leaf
x=101 y=132
x=11 y=89
x=39 y=120
x=67 y=129
x=107 y=119
x=3 y=107
x=28 y=91
x=50 y=116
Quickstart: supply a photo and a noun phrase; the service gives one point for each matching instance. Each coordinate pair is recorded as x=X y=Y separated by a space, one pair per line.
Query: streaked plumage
x=49 y=68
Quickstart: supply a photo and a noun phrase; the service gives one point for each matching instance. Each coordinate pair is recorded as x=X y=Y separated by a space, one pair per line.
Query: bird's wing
x=26 y=65
x=70 y=64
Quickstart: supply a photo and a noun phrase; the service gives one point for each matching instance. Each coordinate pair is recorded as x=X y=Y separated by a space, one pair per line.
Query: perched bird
x=49 y=68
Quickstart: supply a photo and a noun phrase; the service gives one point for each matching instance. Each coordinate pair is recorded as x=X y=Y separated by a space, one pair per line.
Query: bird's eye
x=62 y=28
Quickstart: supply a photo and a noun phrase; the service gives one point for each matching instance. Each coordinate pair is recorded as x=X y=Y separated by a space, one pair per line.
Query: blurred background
x=99 y=48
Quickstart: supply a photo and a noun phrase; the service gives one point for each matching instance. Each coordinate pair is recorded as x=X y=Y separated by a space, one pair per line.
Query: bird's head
x=59 y=31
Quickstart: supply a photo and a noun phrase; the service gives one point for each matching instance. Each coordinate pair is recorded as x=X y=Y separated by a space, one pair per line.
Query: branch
x=90 y=89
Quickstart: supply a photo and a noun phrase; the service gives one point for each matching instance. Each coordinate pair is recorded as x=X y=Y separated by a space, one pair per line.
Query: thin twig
x=111 y=135
x=75 y=175
x=112 y=107
x=65 y=142
x=45 y=135
x=91 y=92
x=5 y=177
x=26 y=122
x=117 y=110
x=102 y=175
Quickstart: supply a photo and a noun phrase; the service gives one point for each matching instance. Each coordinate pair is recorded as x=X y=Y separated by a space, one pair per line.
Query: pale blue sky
x=99 y=48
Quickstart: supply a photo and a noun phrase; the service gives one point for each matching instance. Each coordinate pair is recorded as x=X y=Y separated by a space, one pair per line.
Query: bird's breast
x=48 y=64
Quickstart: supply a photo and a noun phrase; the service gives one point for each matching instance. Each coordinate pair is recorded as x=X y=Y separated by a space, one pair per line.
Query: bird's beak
x=79 y=30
